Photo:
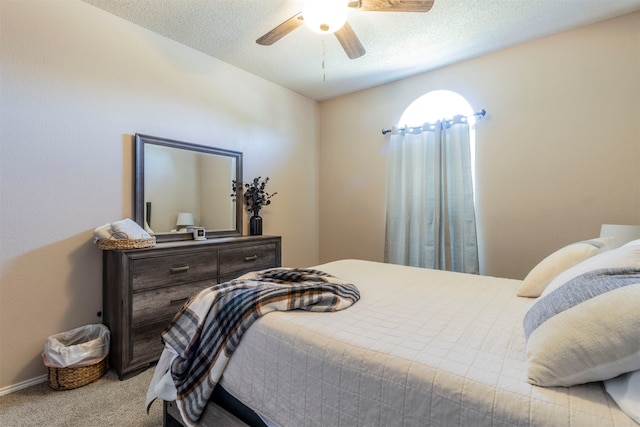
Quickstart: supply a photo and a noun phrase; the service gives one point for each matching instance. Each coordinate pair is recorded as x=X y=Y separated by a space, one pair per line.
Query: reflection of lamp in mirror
x=185 y=222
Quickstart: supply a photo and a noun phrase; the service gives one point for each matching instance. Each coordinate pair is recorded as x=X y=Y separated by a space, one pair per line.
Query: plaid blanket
x=207 y=330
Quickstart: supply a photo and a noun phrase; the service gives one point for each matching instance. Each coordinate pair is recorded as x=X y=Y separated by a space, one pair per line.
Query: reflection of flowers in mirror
x=255 y=195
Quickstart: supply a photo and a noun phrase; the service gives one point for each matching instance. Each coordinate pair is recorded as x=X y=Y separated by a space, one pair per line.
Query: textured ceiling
x=398 y=45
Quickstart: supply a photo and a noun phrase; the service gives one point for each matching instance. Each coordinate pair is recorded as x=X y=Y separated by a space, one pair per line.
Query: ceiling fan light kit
x=325 y=16
x=330 y=16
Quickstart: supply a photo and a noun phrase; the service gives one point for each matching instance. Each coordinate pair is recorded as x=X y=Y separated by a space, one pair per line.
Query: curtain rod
x=480 y=114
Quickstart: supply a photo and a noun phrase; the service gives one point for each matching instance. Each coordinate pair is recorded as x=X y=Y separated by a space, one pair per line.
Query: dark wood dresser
x=143 y=289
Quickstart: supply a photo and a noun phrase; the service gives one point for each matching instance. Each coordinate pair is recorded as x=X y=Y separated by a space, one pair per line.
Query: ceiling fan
x=327 y=16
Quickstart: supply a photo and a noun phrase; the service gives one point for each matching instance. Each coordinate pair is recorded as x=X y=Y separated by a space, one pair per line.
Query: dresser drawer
x=249 y=258
x=146 y=344
x=163 y=303
x=174 y=269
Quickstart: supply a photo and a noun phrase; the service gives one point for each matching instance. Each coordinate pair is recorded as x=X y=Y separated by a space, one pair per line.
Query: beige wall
x=76 y=84
x=557 y=155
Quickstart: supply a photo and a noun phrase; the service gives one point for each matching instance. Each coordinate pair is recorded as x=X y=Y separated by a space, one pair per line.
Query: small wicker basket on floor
x=70 y=378
x=115 y=244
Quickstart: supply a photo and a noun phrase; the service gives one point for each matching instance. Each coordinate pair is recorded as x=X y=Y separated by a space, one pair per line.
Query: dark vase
x=255 y=225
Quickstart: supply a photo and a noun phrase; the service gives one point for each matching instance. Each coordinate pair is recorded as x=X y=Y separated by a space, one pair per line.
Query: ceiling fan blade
x=350 y=42
x=281 y=30
x=393 y=5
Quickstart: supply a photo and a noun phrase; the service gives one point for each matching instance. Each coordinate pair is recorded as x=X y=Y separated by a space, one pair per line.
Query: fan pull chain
x=324 y=73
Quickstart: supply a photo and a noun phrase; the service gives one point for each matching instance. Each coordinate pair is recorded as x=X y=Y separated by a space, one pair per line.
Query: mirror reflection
x=181 y=185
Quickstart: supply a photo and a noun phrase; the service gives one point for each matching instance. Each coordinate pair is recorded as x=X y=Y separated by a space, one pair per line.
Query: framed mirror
x=179 y=186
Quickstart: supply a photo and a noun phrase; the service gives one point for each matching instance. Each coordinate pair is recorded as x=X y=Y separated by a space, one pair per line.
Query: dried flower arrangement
x=255 y=194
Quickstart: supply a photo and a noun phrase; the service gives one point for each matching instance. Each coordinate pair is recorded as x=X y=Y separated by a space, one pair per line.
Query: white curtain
x=430 y=212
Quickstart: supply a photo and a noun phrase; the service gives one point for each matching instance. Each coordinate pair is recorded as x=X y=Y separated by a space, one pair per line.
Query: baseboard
x=23 y=384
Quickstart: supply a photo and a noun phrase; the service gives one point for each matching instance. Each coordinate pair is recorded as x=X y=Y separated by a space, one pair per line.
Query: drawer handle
x=251 y=258
x=179 y=269
x=179 y=300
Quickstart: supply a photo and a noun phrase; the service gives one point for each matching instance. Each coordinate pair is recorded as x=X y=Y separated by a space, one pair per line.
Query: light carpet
x=103 y=403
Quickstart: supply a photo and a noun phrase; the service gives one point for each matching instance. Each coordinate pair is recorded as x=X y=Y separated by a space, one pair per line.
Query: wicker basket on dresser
x=144 y=288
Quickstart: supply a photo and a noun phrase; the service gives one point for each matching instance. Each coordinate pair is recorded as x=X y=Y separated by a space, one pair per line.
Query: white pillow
x=625 y=390
x=624 y=256
x=633 y=243
x=542 y=274
x=587 y=328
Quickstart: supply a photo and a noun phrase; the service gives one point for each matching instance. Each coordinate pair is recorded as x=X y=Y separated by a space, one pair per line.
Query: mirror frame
x=138 y=185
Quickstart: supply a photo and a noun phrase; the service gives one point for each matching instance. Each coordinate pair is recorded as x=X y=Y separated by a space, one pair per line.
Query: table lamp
x=185 y=220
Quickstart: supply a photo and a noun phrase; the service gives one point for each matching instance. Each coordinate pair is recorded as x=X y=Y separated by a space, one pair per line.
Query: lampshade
x=184 y=219
x=325 y=16
x=622 y=233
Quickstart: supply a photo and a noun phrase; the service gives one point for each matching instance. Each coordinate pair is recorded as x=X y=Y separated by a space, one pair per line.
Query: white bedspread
x=420 y=348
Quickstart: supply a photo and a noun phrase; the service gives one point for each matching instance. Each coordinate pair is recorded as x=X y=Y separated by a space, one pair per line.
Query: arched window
x=438 y=105
x=435 y=105
x=430 y=189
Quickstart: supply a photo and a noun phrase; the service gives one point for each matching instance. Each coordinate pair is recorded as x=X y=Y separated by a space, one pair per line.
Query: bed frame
x=223 y=410
x=213 y=415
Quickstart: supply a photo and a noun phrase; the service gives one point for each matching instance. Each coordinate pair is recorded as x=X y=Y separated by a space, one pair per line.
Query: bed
x=420 y=348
